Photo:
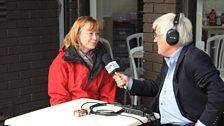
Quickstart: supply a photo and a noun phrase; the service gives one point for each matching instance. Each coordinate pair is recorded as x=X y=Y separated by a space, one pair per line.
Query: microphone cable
x=125 y=95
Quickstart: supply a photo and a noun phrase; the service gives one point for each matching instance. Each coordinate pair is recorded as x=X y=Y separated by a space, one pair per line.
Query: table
x=63 y=115
x=213 y=30
x=209 y=31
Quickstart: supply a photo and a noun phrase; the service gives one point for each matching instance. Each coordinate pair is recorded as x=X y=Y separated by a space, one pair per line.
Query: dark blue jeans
x=157 y=123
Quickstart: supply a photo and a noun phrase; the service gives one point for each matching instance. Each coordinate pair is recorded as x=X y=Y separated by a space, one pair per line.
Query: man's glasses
x=157 y=35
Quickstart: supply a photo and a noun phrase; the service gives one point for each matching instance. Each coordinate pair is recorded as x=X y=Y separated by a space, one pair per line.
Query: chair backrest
x=134 y=40
x=136 y=58
x=136 y=61
x=106 y=43
x=220 y=64
x=214 y=48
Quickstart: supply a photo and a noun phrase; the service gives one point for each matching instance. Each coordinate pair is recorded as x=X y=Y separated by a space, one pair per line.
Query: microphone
x=111 y=66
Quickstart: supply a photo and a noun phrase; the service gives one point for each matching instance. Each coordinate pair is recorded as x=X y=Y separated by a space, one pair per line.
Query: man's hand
x=121 y=79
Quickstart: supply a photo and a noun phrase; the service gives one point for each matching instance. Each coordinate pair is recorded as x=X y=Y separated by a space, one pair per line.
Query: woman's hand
x=121 y=79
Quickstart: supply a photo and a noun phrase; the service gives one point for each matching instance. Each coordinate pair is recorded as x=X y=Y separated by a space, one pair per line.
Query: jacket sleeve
x=149 y=88
x=108 y=87
x=57 y=82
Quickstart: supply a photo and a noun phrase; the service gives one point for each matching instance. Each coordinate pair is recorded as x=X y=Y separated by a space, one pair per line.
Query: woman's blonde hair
x=72 y=38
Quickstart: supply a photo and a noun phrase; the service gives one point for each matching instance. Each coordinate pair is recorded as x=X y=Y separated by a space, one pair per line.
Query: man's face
x=163 y=47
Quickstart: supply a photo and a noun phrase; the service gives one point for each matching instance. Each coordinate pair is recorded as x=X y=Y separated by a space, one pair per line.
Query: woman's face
x=89 y=39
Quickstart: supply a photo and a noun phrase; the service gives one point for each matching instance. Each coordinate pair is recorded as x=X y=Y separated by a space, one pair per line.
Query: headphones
x=172 y=36
x=104 y=112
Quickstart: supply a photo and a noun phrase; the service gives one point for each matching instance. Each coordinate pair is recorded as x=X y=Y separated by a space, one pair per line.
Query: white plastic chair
x=108 y=46
x=134 y=40
x=215 y=49
x=136 y=58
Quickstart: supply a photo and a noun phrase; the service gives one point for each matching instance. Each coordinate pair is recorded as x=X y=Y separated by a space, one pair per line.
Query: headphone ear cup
x=172 y=37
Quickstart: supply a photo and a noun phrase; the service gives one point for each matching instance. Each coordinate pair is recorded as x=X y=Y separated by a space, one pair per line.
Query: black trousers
x=157 y=123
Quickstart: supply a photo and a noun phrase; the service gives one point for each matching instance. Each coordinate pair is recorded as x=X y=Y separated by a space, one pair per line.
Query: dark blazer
x=198 y=88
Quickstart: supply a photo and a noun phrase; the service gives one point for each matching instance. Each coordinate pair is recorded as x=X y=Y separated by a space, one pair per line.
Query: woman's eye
x=96 y=33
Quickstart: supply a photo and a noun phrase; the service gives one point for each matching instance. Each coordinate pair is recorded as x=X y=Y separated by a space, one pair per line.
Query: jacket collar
x=183 y=53
x=71 y=55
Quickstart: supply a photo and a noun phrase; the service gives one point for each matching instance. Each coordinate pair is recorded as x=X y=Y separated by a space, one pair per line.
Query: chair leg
x=135 y=100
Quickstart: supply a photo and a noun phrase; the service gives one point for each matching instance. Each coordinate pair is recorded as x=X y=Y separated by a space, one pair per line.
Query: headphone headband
x=176 y=19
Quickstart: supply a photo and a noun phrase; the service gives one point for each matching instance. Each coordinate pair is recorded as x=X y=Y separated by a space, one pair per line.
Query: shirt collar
x=174 y=57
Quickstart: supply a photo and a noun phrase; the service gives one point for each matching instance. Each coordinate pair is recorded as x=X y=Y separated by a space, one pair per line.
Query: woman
x=78 y=70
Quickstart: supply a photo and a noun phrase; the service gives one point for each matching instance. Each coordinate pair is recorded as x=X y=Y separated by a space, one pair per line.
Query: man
x=188 y=90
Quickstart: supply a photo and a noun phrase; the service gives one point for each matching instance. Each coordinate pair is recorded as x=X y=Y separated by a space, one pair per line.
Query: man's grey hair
x=184 y=27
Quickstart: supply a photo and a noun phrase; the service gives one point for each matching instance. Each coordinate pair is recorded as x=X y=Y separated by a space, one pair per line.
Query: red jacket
x=69 y=78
